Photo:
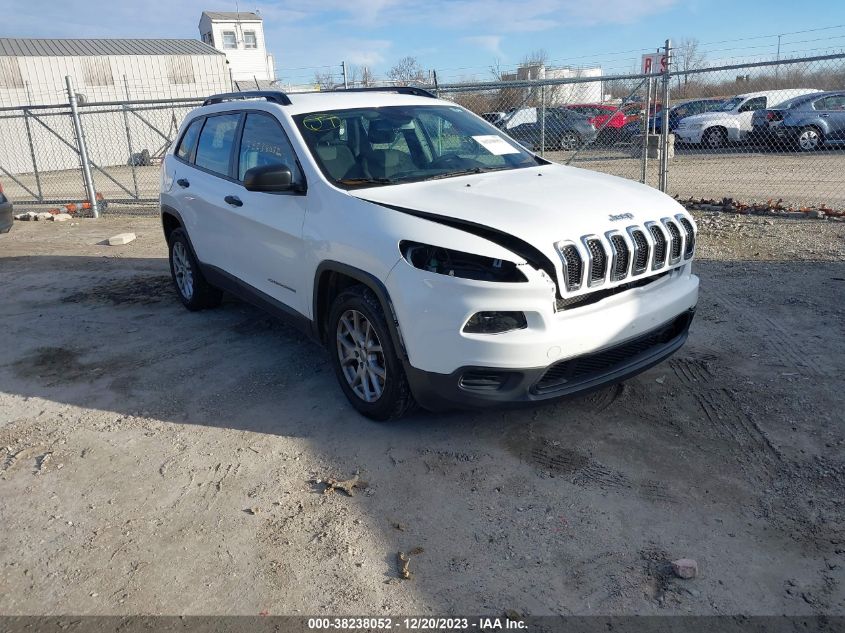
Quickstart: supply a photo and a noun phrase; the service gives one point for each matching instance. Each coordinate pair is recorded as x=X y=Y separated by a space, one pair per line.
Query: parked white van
x=731 y=123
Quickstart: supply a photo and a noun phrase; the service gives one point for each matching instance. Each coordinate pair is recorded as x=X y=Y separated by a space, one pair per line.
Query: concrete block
x=120 y=239
x=685 y=568
x=62 y=217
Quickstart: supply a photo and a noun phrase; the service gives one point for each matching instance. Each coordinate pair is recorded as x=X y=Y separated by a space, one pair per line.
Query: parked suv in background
x=804 y=123
x=5 y=212
x=731 y=122
x=437 y=260
x=606 y=119
x=564 y=130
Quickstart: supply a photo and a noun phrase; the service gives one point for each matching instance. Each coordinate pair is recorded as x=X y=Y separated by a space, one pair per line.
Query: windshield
x=389 y=145
x=730 y=104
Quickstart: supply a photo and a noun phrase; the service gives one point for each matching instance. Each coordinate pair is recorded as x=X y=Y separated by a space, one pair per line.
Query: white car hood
x=539 y=205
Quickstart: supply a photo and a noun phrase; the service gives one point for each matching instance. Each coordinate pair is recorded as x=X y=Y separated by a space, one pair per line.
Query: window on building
x=229 y=39
x=250 y=41
x=215 y=145
x=208 y=38
x=265 y=143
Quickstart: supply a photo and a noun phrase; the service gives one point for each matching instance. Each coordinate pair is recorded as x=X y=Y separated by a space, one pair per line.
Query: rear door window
x=214 y=149
x=189 y=140
x=834 y=103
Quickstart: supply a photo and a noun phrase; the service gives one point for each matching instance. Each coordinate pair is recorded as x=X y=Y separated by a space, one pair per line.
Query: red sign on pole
x=654 y=63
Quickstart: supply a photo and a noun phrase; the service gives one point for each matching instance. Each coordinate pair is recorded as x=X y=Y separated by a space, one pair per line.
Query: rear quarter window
x=189 y=140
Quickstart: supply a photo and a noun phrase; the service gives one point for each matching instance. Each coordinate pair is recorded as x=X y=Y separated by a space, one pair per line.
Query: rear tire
x=569 y=141
x=364 y=358
x=809 y=139
x=191 y=285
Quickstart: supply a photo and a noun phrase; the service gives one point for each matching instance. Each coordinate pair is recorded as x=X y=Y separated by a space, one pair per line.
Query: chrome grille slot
x=598 y=261
x=621 y=256
x=573 y=266
x=641 y=251
x=676 y=240
x=659 y=245
x=689 y=243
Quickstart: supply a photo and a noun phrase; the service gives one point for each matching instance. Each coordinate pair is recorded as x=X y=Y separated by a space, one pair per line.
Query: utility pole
x=343 y=68
x=664 y=132
x=777 y=67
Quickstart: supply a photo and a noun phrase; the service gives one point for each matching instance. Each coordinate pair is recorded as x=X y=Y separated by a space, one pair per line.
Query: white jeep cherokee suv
x=437 y=260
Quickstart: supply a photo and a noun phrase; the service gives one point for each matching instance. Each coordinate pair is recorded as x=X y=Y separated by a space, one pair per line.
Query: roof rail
x=402 y=90
x=275 y=96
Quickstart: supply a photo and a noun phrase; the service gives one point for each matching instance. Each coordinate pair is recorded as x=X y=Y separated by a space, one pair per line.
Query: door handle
x=183 y=182
x=234 y=201
x=824 y=116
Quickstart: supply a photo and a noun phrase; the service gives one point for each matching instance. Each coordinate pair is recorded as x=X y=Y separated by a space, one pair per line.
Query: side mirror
x=269 y=178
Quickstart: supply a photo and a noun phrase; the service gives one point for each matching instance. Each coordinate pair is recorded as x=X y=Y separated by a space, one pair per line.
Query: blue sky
x=459 y=38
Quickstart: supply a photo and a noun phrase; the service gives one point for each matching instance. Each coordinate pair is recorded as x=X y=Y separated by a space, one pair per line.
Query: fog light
x=495 y=322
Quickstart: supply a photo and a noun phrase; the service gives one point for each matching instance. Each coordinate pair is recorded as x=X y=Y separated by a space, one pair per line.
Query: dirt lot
x=158 y=461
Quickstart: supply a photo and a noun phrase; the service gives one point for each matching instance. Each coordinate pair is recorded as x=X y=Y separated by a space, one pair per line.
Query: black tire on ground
x=809 y=139
x=715 y=138
x=395 y=399
x=193 y=290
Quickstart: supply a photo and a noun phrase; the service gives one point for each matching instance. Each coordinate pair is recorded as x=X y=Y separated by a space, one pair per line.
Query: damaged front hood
x=539 y=205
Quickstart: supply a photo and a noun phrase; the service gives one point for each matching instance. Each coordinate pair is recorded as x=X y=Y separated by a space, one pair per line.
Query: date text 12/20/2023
x=417 y=623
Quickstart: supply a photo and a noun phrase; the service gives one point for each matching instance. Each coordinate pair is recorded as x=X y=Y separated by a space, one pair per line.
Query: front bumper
x=690 y=135
x=479 y=387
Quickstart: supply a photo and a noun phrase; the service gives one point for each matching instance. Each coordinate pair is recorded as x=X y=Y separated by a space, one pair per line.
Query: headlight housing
x=444 y=261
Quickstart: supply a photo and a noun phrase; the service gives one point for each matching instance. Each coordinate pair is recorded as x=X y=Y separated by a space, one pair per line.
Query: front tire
x=715 y=138
x=191 y=286
x=364 y=358
x=569 y=141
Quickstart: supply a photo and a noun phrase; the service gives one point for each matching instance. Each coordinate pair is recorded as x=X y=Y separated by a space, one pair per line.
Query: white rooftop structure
x=240 y=36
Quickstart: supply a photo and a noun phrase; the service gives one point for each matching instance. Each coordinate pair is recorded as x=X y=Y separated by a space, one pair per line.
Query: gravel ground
x=155 y=461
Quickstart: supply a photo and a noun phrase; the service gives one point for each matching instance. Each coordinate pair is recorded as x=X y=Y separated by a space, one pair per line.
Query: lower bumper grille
x=585 y=368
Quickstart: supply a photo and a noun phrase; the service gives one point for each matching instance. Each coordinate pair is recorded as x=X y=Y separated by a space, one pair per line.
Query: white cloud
x=490 y=43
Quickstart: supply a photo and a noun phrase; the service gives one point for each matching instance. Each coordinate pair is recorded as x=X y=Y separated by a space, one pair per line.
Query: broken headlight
x=444 y=261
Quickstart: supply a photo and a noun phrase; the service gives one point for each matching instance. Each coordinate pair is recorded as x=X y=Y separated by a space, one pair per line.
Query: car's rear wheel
x=715 y=138
x=193 y=289
x=569 y=141
x=809 y=139
x=364 y=357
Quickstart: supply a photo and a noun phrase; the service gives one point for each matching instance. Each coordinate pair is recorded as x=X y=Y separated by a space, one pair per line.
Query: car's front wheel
x=569 y=141
x=715 y=138
x=364 y=357
x=191 y=286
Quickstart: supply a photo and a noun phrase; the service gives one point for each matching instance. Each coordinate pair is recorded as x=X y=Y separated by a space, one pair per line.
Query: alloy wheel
x=361 y=356
x=182 y=270
x=809 y=140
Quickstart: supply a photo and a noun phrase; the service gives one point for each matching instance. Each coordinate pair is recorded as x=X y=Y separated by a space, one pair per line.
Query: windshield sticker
x=495 y=144
x=321 y=122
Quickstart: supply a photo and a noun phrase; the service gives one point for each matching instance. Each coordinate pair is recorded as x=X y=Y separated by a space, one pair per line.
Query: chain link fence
x=769 y=132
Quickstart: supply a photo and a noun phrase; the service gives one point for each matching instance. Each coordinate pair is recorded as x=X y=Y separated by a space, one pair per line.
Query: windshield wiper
x=465 y=172
x=366 y=181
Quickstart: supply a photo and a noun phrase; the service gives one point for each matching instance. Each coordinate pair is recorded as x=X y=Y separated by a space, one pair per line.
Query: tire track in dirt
x=778 y=340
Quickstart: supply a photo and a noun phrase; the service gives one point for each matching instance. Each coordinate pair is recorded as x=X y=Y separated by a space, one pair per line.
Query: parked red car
x=602 y=114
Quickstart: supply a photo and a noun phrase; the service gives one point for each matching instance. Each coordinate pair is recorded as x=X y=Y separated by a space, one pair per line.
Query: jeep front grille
x=622 y=256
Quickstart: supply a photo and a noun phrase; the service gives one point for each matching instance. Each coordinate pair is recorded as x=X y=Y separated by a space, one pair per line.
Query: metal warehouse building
x=32 y=71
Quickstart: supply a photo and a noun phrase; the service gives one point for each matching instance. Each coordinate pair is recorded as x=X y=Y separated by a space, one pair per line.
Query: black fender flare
x=370 y=281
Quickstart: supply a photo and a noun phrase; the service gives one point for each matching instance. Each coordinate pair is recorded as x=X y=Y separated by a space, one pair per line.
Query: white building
x=580 y=92
x=240 y=36
x=32 y=71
